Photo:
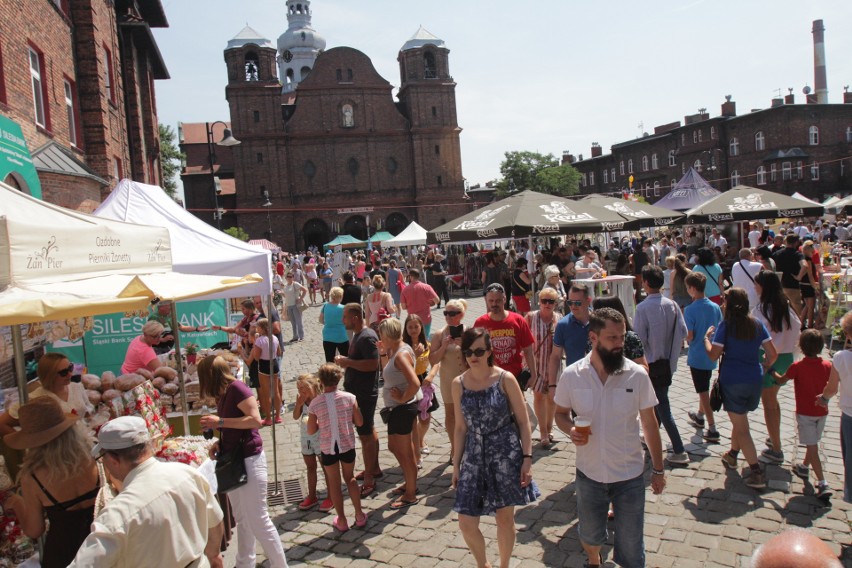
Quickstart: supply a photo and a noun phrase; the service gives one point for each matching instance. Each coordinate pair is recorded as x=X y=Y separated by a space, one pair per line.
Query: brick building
x=786 y=148
x=78 y=77
x=328 y=140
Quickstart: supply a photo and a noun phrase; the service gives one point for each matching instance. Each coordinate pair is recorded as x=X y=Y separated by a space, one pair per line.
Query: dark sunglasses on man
x=575 y=303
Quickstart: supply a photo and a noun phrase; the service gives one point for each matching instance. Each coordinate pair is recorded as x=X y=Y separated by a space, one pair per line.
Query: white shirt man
x=165 y=514
x=743 y=273
x=801 y=230
x=754 y=236
x=717 y=240
x=841 y=232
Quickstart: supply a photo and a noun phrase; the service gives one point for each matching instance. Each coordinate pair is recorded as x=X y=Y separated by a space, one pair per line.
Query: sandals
x=598 y=565
x=361 y=520
x=401 y=490
x=402 y=503
x=367 y=490
x=340 y=523
x=360 y=476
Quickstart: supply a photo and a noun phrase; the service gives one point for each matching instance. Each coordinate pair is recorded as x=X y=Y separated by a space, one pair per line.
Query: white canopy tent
x=198 y=248
x=798 y=195
x=413 y=234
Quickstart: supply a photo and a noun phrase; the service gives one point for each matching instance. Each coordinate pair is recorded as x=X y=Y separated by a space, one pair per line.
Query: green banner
x=106 y=344
x=15 y=158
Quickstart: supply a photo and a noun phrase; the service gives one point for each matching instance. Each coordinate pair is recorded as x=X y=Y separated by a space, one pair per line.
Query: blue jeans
x=846 y=449
x=663 y=410
x=628 y=502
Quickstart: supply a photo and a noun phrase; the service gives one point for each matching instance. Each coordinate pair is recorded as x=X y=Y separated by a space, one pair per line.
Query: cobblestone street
x=706 y=516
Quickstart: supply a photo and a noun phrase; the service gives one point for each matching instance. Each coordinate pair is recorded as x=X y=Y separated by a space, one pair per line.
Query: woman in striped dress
x=542 y=323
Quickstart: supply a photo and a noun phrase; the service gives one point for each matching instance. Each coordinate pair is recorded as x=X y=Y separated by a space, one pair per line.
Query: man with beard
x=510 y=334
x=660 y=325
x=610 y=391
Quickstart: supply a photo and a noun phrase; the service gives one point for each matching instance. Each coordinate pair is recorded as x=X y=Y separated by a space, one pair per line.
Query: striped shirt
x=334 y=416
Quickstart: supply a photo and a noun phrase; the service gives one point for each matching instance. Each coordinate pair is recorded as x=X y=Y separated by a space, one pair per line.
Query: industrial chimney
x=820 y=81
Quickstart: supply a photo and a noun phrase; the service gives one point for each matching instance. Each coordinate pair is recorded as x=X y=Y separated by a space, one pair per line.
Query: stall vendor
x=162 y=314
x=141 y=353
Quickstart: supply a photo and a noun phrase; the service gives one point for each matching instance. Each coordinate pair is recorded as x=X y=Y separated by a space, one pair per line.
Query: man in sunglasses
x=510 y=334
x=572 y=333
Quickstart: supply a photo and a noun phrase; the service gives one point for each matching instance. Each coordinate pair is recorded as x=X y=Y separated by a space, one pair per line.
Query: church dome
x=422 y=37
x=304 y=37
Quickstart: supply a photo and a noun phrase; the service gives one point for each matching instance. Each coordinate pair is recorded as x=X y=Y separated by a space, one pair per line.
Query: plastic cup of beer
x=583 y=426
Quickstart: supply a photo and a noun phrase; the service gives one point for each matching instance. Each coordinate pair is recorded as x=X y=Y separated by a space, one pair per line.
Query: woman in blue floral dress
x=492 y=462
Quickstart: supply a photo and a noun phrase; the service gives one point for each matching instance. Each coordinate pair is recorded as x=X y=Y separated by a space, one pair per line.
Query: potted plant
x=191 y=351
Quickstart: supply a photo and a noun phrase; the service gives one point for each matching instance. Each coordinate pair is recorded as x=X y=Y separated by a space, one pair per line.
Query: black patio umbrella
x=744 y=203
x=525 y=214
x=640 y=214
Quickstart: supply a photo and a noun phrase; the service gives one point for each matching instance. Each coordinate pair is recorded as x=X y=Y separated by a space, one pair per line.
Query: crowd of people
x=597 y=373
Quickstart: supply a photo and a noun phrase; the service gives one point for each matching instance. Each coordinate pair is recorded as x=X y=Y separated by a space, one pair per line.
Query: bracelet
x=824 y=399
x=527 y=456
x=551 y=386
x=221 y=422
x=658 y=472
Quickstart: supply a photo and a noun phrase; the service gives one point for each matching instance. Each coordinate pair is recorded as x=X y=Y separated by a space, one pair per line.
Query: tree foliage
x=537 y=172
x=170 y=158
x=237 y=233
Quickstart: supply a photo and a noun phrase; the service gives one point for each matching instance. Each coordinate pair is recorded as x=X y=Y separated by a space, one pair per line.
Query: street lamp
x=227 y=140
x=268 y=206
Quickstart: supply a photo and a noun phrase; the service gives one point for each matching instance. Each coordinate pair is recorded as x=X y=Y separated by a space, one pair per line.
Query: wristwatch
x=658 y=471
x=221 y=422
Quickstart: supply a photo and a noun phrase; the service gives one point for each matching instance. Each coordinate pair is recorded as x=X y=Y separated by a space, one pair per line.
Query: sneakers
x=729 y=460
x=308 y=503
x=823 y=491
x=711 y=436
x=680 y=459
x=326 y=505
x=696 y=419
x=771 y=456
x=801 y=470
x=756 y=480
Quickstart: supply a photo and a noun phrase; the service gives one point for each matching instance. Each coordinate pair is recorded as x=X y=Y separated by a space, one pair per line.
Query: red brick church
x=324 y=147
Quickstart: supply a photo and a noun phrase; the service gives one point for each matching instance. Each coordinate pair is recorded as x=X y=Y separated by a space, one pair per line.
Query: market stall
x=412 y=235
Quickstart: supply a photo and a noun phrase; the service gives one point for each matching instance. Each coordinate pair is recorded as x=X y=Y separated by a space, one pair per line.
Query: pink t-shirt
x=139 y=354
x=417 y=298
x=334 y=416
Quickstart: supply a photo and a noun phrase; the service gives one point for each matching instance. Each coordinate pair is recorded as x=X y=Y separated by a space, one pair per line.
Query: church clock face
x=287 y=56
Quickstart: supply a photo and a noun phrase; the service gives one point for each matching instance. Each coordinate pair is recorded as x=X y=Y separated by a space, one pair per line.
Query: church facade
x=324 y=147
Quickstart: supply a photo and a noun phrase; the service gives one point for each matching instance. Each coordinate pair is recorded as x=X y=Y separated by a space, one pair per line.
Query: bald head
x=794 y=548
x=745 y=254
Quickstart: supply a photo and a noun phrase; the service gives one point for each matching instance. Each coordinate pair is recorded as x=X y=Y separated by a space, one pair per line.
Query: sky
x=540 y=75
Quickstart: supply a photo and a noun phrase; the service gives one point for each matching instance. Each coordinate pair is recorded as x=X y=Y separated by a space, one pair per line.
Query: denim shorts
x=741 y=398
x=628 y=502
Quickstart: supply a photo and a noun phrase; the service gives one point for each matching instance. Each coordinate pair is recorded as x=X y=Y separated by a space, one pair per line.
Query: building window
x=606 y=176
x=848 y=128
x=700 y=136
x=799 y=170
x=621 y=166
x=309 y=169
x=591 y=178
x=256 y=115
x=712 y=133
x=683 y=168
x=440 y=181
x=683 y=138
x=786 y=171
x=759 y=141
x=259 y=158
x=695 y=137
x=813 y=135
x=39 y=89
x=697 y=165
x=117 y=169
x=672 y=158
x=62 y=5
x=773 y=172
x=735 y=178
x=655 y=162
x=645 y=163
x=613 y=175
x=392 y=165
x=584 y=180
x=814 y=171
x=734 y=147
x=656 y=189
x=761 y=176
x=2 y=80
x=71 y=110
x=437 y=150
x=674 y=183
x=630 y=166
x=109 y=75
x=434 y=111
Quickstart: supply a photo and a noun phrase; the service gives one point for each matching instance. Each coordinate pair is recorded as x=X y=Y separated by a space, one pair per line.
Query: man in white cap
x=165 y=515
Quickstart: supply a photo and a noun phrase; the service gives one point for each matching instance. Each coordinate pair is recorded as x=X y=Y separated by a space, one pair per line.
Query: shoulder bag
x=231 y=469
x=660 y=370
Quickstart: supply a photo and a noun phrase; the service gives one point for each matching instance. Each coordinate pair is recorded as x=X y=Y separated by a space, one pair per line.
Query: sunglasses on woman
x=449 y=314
x=67 y=371
x=547 y=300
x=477 y=352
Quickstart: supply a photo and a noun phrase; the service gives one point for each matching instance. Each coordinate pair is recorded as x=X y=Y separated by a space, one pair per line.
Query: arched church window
x=252 y=66
x=353 y=166
x=305 y=72
x=298 y=8
x=289 y=76
x=348 y=115
x=429 y=71
x=310 y=169
x=392 y=165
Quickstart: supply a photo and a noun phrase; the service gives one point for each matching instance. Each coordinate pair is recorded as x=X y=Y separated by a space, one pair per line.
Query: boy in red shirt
x=809 y=377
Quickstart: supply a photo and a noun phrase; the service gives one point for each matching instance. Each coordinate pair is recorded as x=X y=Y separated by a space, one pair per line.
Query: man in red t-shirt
x=510 y=334
x=418 y=298
x=809 y=376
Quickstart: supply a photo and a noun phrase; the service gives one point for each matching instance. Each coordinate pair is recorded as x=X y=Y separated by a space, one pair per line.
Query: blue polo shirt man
x=571 y=337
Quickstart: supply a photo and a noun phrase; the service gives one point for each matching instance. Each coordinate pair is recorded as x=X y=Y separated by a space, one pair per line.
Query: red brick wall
x=70 y=191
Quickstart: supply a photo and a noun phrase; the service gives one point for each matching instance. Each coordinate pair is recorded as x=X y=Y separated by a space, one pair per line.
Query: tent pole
x=272 y=391
x=532 y=274
x=181 y=378
x=20 y=367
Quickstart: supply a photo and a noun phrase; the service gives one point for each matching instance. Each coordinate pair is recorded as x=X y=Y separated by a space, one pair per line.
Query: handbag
x=660 y=370
x=716 y=399
x=302 y=306
x=523 y=379
x=231 y=469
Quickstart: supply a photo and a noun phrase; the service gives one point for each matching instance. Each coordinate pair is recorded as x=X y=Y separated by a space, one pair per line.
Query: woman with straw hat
x=59 y=479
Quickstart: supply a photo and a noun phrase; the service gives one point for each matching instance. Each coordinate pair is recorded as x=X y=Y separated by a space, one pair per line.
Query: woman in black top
x=521 y=286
